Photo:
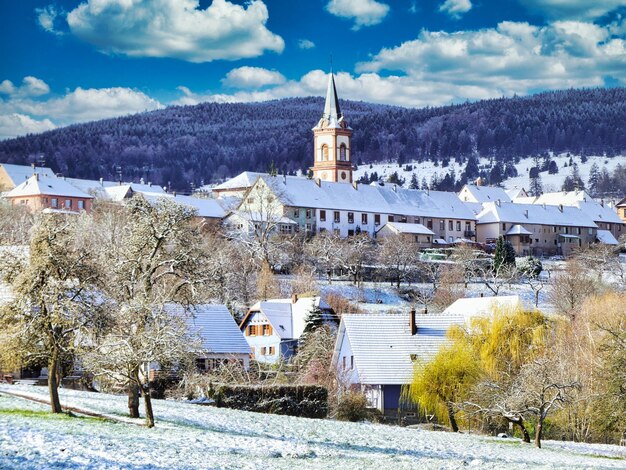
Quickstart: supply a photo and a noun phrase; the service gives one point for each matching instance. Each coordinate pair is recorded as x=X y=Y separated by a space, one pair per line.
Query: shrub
x=308 y=401
x=352 y=406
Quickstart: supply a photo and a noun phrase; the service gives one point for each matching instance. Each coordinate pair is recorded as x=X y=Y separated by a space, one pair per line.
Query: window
x=390 y=218
x=503 y=226
x=54 y=202
x=450 y=225
x=342 y=152
x=468 y=226
x=296 y=213
x=308 y=227
x=590 y=231
x=554 y=229
x=81 y=205
x=272 y=350
x=416 y=220
x=350 y=233
x=351 y=362
x=324 y=152
x=336 y=232
x=266 y=330
x=68 y=203
x=417 y=238
x=263 y=351
x=376 y=219
x=336 y=217
x=364 y=219
x=458 y=225
x=201 y=364
x=252 y=330
x=429 y=224
x=322 y=216
x=285 y=229
x=403 y=219
x=428 y=238
x=442 y=225
x=343 y=360
x=310 y=213
x=350 y=217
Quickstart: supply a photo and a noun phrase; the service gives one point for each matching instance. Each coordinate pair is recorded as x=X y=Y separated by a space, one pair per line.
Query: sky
x=69 y=61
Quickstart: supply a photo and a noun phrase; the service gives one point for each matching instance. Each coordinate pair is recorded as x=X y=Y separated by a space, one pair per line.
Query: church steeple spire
x=332 y=112
x=332 y=136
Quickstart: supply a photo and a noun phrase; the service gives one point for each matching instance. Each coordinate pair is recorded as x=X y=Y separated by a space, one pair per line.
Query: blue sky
x=79 y=60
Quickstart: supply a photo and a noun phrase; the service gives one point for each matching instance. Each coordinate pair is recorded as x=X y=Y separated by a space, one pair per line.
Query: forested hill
x=208 y=142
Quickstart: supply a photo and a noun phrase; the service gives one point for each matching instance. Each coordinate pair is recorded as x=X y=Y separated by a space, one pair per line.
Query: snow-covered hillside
x=550 y=182
x=191 y=436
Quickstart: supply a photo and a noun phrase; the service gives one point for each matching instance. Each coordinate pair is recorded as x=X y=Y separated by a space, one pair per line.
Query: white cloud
x=573 y=9
x=175 y=28
x=47 y=18
x=14 y=125
x=441 y=68
x=31 y=86
x=305 y=44
x=252 y=77
x=456 y=8
x=364 y=12
x=21 y=114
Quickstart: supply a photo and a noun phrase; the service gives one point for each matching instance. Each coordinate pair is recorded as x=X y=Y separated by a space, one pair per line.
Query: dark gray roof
x=218 y=329
x=332 y=112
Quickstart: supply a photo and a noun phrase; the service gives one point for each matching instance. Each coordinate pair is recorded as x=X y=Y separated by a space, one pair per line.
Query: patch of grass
x=47 y=415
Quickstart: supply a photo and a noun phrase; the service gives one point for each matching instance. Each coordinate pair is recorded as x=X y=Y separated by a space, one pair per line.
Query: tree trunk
x=538 y=433
x=133 y=395
x=147 y=402
x=521 y=425
x=452 y=418
x=53 y=382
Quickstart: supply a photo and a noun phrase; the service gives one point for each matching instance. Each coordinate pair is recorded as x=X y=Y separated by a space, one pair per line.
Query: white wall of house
x=261 y=344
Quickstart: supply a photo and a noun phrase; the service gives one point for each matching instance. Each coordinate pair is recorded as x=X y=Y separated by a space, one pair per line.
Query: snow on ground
x=193 y=436
x=550 y=182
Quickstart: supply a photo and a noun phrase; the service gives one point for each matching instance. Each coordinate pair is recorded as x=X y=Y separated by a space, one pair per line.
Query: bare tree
x=356 y=253
x=570 y=287
x=55 y=296
x=530 y=270
x=324 y=251
x=399 y=257
x=15 y=224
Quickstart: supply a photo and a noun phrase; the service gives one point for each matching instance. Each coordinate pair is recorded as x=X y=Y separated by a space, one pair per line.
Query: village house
x=273 y=328
x=220 y=335
x=610 y=226
x=13 y=175
x=416 y=234
x=620 y=209
x=538 y=230
x=43 y=192
x=376 y=352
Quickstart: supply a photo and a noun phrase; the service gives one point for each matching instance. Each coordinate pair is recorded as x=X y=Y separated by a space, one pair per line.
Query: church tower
x=332 y=155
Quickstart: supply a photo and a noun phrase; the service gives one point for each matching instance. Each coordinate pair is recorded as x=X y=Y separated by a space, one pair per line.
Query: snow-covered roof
x=48 y=186
x=518 y=230
x=208 y=208
x=107 y=188
x=535 y=214
x=516 y=192
x=215 y=326
x=483 y=193
x=304 y=192
x=20 y=173
x=288 y=317
x=479 y=306
x=567 y=198
x=599 y=213
x=384 y=349
x=606 y=237
x=400 y=227
x=242 y=180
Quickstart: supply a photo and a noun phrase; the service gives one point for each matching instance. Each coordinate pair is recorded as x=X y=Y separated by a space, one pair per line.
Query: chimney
x=602 y=202
x=482 y=295
x=412 y=322
x=425 y=312
x=498 y=203
x=174 y=193
x=395 y=188
x=355 y=185
x=561 y=207
x=294 y=298
x=36 y=176
x=149 y=184
x=101 y=181
x=318 y=181
x=141 y=181
x=526 y=213
x=543 y=205
x=33 y=166
x=284 y=179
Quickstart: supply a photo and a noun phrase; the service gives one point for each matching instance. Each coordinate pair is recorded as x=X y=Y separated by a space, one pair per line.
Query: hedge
x=308 y=401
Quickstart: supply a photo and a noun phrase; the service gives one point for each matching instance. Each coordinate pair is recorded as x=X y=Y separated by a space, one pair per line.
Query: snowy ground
x=549 y=182
x=191 y=436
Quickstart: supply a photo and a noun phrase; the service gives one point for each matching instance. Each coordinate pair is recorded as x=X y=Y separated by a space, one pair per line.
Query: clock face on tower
x=343 y=175
x=324 y=175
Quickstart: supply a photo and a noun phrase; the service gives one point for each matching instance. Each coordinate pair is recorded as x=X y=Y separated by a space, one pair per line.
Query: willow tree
x=56 y=299
x=440 y=384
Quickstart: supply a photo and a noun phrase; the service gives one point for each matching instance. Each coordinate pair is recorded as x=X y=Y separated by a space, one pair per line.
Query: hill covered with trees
x=193 y=145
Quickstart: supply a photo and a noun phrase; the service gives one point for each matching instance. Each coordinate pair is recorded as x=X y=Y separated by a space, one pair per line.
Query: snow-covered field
x=192 y=436
x=549 y=182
